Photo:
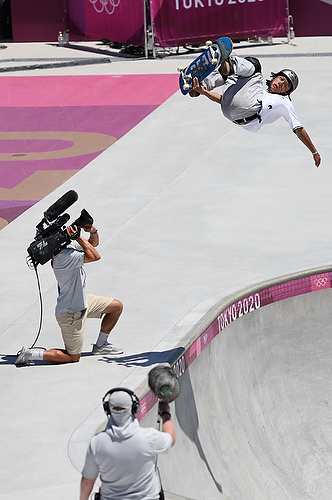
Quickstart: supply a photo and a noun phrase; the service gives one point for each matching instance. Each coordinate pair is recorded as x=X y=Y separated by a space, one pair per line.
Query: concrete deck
x=191 y=209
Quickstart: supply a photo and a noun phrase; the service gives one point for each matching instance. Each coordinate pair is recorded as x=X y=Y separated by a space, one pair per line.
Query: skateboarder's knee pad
x=255 y=62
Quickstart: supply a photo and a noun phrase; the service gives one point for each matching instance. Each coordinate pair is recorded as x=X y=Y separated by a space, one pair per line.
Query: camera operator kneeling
x=74 y=306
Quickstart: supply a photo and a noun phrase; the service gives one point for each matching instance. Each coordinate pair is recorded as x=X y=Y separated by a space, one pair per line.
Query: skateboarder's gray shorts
x=240 y=91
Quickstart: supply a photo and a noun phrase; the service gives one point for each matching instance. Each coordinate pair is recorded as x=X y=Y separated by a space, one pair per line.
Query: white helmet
x=291 y=77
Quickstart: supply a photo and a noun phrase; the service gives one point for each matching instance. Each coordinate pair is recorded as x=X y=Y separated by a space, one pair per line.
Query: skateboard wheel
x=214 y=61
x=186 y=86
x=208 y=43
x=180 y=68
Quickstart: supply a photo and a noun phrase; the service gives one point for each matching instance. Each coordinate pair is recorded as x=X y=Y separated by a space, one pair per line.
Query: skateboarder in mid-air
x=245 y=101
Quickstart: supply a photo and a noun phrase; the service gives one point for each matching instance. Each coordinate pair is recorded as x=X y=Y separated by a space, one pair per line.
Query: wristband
x=315 y=153
x=96 y=231
x=165 y=413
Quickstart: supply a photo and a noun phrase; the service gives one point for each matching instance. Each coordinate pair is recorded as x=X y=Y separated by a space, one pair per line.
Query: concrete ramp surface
x=255 y=408
x=191 y=210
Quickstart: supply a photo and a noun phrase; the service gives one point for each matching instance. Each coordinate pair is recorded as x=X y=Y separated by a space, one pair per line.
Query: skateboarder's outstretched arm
x=213 y=96
x=304 y=137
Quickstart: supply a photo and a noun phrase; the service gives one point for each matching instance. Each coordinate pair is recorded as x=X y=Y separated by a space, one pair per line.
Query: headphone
x=135 y=401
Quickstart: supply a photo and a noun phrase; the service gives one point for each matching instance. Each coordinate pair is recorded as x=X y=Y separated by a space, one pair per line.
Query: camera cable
x=33 y=266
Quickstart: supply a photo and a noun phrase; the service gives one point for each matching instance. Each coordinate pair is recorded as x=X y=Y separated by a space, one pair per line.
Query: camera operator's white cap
x=120 y=399
x=120 y=404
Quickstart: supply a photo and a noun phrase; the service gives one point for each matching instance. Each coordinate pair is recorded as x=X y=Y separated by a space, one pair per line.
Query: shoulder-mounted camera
x=51 y=237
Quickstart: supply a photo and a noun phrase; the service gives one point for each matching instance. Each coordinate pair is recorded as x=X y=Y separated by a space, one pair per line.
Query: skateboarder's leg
x=234 y=65
x=255 y=62
x=214 y=80
x=239 y=67
x=242 y=67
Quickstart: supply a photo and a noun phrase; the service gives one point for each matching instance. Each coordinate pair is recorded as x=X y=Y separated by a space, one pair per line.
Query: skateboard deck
x=205 y=63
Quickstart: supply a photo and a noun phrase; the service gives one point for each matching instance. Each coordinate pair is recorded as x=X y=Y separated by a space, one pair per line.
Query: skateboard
x=205 y=63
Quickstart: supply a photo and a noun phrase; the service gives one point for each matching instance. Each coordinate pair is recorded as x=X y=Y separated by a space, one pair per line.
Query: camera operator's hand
x=90 y=228
x=73 y=232
x=163 y=407
x=93 y=231
x=164 y=410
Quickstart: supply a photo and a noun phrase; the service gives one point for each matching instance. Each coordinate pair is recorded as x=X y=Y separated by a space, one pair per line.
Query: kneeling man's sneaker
x=107 y=349
x=23 y=357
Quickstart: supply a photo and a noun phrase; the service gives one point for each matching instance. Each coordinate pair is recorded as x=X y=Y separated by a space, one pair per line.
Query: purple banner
x=115 y=20
x=314 y=19
x=177 y=22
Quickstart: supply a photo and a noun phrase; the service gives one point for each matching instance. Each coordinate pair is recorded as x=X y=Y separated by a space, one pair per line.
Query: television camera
x=51 y=237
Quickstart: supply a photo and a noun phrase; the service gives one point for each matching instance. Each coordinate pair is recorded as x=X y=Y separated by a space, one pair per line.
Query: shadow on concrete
x=146 y=358
x=188 y=420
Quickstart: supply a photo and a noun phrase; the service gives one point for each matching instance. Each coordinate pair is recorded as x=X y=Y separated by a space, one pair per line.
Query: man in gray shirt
x=74 y=306
x=124 y=454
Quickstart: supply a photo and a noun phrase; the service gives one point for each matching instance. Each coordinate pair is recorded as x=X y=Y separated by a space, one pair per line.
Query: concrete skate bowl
x=254 y=417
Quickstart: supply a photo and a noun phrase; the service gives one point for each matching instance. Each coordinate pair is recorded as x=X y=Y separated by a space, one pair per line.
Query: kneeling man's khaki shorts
x=72 y=324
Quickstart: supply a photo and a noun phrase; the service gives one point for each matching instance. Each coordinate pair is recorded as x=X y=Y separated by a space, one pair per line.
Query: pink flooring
x=52 y=126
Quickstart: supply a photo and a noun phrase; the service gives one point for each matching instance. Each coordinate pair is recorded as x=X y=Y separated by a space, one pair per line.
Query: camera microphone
x=60 y=205
x=164 y=383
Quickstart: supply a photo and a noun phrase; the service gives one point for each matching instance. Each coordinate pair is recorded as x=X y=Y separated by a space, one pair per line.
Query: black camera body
x=50 y=239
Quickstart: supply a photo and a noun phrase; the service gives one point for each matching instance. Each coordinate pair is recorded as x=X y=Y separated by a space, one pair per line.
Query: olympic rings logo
x=107 y=5
x=143 y=408
x=319 y=282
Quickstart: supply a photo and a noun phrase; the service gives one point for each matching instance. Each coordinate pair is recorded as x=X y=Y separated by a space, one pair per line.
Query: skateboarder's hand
x=196 y=85
x=317 y=159
x=213 y=96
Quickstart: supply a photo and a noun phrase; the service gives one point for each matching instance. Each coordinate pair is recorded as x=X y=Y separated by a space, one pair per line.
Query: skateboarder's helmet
x=291 y=77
